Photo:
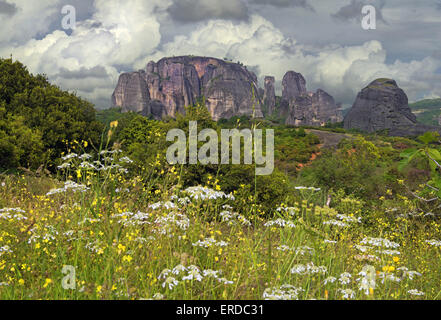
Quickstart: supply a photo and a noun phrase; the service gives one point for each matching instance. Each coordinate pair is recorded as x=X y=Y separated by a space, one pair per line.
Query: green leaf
x=408 y=153
x=434 y=154
x=432 y=165
x=402 y=164
x=429 y=137
x=435 y=182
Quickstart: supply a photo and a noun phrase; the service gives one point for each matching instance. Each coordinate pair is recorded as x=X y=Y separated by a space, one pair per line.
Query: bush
x=37 y=118
x=355 y=168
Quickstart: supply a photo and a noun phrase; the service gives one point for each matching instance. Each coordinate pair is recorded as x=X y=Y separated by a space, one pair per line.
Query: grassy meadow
x=129 y=240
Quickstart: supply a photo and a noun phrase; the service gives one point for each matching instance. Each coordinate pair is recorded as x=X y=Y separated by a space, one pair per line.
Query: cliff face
x=294 y=85
x=381 y=105
x=301 y=107
x=313 y=109
x=166 y=87
x=132 y=91
x=169 y=85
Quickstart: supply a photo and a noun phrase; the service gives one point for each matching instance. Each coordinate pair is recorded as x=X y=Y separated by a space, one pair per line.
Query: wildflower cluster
x=180 y=273
x=284 y=292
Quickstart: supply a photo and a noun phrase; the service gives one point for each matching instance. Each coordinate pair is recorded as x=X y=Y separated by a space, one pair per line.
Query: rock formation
x=382 y=105
x=294 y=85
x=169 y=85
x=269 y=97
x=301 y=107
x=313 y=109
x=261 y=94
x=132 y=91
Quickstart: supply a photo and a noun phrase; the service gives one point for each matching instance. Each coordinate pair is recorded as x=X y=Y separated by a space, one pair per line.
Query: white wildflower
x=366 y=281
x=290 y=210
x=281 y=223
x=330 y=280
x=178 y=269
x=309 y=268
x=336 y=223
x=69 y=156
x=363 y=248
x=298 y=269
x=69 y=185
x=415 y=292
x=5 y=249
x=389 y=252
x=85 y=156
x=193 y=274
x=433 y=242
x=209 y=242
x=347 y=218
x=211 y=273
x=347 y=293
x=386 y=276
x=201 y=193
x=170 y=282
x=126 y=160
x=345 y=278
x=284 y=292
x=164 y=274
x=379 y=242
x=225 y=281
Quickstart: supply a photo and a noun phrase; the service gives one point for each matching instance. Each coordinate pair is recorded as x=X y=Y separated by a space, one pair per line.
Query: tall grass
x=130 y=240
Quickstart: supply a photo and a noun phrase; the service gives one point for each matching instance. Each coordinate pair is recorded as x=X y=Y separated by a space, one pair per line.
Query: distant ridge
x=427 y=111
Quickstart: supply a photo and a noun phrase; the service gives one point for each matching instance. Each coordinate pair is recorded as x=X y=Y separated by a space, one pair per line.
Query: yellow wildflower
x=47 y=282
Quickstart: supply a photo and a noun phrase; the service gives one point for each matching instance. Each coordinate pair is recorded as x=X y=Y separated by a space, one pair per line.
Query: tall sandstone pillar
x=294 y=85
x=269 y=97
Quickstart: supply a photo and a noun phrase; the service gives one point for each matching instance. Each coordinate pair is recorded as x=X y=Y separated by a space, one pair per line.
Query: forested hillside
x=427 y=111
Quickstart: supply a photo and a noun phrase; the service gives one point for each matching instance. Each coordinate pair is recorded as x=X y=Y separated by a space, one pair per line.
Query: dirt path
x=329 y=139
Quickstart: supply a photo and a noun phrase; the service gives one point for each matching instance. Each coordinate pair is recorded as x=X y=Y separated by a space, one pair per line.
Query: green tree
x=51 y=115
x=19 y=145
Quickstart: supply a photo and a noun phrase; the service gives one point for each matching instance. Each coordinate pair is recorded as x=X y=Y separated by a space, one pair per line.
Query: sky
x=323 y=40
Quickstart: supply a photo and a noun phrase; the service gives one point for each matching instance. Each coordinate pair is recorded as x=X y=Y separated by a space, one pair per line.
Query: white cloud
x=30 y=19
x=340 y=70
x=119 y=33
x=127 y=34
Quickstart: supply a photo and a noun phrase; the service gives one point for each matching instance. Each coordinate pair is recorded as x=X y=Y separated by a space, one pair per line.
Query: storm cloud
x=6 y=8
x=286 y=3
x=189 y=11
